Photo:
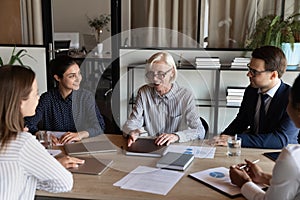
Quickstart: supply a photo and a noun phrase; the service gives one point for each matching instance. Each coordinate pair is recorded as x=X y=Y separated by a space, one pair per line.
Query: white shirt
x=175 y=112
x=285 y=182
x=25 y=166
x=267 y=103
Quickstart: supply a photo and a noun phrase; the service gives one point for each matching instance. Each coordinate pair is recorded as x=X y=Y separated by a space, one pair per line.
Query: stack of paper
x=152 y=180
x=213 y=62
x=240 y=62
x=234 y=96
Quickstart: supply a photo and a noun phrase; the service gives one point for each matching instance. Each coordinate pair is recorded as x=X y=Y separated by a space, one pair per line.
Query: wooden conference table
x=101 y=187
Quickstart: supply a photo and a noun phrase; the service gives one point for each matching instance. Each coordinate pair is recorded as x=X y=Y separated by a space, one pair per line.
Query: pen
x=254 y=162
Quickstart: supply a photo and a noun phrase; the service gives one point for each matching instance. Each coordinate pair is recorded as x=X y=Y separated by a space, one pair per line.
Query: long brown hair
x=15 y=86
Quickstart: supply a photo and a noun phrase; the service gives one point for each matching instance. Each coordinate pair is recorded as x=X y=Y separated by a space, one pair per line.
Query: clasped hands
x=66 y=138
x=164 y=138
x=252 y=172
x=221 y=140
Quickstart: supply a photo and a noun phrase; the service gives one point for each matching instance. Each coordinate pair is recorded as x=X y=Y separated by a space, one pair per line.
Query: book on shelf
x=219 y=180
x=234 y=104
x=177 y=161
x=234 y=100
x=235 y=93
x=234 y=97
x=233 y=89
x=242 y=59
x=207 y=62
x=238 y=65
x=210 y=59
x=240 y=62
x=210 y=66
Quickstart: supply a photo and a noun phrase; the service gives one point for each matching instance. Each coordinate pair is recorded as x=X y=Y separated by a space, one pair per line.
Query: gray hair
x=164 y=57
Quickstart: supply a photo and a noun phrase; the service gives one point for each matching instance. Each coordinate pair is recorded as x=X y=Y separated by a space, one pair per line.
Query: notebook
x=145 y=147
x=272 y=155
x=92 y=166
x=89 y=147
x=218 y=179
x=177 y=161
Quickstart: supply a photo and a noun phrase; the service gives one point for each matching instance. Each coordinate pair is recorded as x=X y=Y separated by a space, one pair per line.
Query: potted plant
x=16 y=57
x=98 y=24
x=276 y=31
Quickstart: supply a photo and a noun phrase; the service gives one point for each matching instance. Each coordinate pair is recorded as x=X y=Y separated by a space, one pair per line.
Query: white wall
x=37 y=64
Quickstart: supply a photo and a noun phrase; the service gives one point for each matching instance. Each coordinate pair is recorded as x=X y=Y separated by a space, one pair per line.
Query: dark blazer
x=280 y=130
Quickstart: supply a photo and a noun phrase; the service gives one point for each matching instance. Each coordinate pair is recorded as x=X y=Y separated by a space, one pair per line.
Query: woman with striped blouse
x=25 y=165
x=167 y=110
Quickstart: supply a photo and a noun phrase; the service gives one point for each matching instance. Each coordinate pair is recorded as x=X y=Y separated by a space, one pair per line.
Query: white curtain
x=231 y=22
x=164 y=23
x=32 y=24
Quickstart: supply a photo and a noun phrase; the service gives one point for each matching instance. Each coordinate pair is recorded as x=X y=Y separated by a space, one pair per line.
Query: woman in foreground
x=25 y=165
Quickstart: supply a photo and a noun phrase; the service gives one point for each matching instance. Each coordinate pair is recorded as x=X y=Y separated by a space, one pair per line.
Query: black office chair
x=205 y=125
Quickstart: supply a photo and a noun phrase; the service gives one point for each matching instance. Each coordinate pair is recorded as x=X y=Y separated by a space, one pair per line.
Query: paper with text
x=219 y=179
x=148 y=179
x=197 y=151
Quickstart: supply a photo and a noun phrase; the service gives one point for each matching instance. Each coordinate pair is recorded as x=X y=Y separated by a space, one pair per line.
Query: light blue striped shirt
x=25 y=166
x=174 y=112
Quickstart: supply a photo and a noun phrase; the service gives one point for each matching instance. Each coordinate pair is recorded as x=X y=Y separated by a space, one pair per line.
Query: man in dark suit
x=268 y=126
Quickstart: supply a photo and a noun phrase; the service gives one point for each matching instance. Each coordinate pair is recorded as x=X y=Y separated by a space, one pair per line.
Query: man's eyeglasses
x=160 y=75
x=254 y=72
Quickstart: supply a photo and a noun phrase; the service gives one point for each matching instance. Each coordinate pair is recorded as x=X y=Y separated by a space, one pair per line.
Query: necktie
x=262 y=112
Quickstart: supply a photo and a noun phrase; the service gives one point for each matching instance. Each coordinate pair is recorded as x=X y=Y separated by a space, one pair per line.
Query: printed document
x=197 y=151
x=149 y=179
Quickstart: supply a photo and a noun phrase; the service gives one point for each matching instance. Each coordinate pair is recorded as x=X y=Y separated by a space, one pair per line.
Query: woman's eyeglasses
x=254 y=72
x=160 y=75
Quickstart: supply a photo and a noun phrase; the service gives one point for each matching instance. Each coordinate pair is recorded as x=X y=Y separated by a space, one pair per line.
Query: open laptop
x=92 y=166
x=89 y=147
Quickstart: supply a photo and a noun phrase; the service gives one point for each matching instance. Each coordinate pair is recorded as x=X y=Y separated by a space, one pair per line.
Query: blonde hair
x=15 y=86
x=162 y=57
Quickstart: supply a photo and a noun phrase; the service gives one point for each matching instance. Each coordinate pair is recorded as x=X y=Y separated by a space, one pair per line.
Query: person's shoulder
x=285 y=86
x=23 y=138
x=292 y=149
x=184 y=91
x=145 y=87
x=82 y=91
x=82 y=94
x=26 y=135
x=290 y=152
x=50 y=93
x=284 y=90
